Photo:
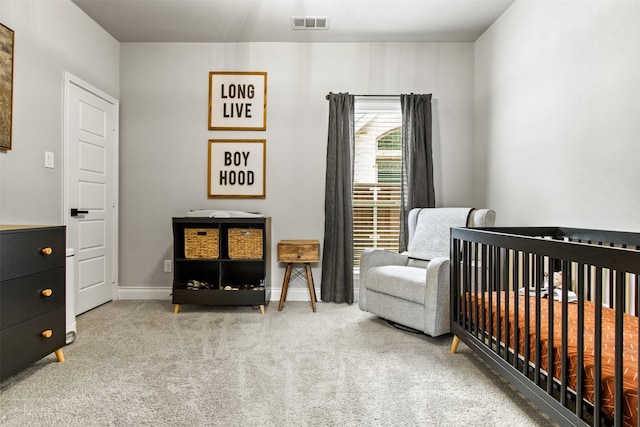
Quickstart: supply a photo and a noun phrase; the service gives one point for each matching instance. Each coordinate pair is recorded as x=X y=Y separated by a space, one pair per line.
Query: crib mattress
x=630 y=343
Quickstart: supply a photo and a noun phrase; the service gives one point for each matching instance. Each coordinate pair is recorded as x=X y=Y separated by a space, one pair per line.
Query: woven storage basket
x=201 y=243
x=245 y=243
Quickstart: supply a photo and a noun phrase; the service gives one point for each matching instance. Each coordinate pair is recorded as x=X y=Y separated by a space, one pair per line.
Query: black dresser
x=32 y=295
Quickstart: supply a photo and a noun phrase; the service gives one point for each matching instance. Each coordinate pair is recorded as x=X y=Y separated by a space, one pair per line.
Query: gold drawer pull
x=47 y=334
x=46 y=251
x=47 y=292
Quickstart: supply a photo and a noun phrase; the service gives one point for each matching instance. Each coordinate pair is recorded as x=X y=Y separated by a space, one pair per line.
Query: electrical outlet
x=167 y=266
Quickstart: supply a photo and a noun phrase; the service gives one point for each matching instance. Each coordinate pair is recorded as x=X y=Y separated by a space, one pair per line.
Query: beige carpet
x=135 y=363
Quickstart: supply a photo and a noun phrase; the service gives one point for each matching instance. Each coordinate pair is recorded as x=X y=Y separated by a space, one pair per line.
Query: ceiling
x=270 y=20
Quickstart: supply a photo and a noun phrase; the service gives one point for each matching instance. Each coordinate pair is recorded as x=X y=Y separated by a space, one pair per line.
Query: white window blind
x=377 y=163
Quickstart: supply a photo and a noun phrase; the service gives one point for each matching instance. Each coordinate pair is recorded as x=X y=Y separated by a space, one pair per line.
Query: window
x=377 y=167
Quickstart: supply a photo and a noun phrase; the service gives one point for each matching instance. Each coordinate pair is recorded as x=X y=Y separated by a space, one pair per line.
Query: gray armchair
x=412 y=288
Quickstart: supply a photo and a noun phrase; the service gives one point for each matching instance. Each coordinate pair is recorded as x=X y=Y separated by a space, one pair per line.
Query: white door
x=91 y=142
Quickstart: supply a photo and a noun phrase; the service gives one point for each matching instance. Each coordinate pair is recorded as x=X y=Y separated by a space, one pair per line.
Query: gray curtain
x=337 y=250
x=417 y=190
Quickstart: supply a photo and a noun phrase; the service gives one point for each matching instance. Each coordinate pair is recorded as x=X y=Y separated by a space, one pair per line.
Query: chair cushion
x=433 y=231
x=408 y=283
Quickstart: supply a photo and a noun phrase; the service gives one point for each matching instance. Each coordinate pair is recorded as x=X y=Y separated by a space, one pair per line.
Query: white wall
x=51 y=37
x=557 y=107
x=163 y=129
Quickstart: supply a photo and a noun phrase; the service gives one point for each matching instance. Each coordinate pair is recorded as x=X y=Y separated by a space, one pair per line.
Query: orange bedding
x=630 y=342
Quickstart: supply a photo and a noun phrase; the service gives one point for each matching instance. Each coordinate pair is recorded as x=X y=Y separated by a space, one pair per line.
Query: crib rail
x=505 y=270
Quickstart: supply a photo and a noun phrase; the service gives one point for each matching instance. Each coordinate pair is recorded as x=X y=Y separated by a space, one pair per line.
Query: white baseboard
x=155 y=293
x=301 y=294
x=141 y=293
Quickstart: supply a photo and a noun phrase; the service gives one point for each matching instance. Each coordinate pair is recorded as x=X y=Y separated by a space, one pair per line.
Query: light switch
x=48 y=159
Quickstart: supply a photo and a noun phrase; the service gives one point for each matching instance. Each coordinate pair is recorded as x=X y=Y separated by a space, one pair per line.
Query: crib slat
x=516 y=320
x=494 y=280
x=538 y=315
x=637 y=300
x=464 y=290
x=551 y=333
x=597 y=343
x=460 y=269
x=612 y=303
x=453 y=279
x=580 y=362
x=479 y=321
x=505 y=285
x=487 y=320
x=619 y=295
x=527 y=317
x=468 y=289
x=565 y=334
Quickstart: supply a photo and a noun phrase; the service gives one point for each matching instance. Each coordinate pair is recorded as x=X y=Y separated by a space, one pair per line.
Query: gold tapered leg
x=176 y=308
x=60 y=356
x=454 y=344
x=262 y=309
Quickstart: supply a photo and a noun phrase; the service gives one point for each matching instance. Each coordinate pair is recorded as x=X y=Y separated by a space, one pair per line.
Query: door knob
x=76 y=212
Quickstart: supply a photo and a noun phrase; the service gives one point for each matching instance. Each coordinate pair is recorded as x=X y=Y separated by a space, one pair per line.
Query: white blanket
x=433 y=231
x=204 y=213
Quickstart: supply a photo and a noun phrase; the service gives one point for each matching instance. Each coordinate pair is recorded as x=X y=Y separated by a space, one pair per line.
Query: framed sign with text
x=237 y=168
x=237 y=100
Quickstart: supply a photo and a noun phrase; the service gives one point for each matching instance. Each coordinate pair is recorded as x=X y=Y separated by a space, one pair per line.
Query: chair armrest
x=374 y=258
x=437 y=297
x=482 y=218
x=437 y=272
x=377 y=257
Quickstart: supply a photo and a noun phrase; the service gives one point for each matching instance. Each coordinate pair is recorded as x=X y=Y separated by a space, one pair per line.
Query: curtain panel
x=417 y=187
x=337 y=250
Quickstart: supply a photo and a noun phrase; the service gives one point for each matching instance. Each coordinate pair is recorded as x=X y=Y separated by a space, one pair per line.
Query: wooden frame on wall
x=237 y=100
x=6 y=86
x=237 y=168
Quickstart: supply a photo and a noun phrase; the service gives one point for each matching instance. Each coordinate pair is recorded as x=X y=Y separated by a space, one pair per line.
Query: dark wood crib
x=572 y=347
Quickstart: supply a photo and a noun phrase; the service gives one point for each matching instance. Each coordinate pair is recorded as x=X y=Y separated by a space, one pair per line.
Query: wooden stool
x=298 y=252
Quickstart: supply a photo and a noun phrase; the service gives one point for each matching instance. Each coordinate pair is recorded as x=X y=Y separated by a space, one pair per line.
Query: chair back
x=430 y=229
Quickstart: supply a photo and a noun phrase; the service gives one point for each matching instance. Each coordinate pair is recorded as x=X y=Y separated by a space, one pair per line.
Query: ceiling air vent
x=309 y=22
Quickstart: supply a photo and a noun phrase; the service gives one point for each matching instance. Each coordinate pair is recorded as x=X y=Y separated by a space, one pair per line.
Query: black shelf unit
x=249 y=279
